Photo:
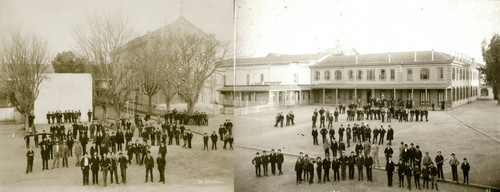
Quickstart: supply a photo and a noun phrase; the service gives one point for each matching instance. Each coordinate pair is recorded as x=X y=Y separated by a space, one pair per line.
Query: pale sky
x=56 y=19
x=295 y=26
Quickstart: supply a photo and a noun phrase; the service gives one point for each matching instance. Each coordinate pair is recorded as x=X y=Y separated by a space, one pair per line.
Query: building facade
x=419 y=78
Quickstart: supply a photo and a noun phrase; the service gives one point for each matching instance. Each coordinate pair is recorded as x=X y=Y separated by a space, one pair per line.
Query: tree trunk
x=118 y=111
x=104 y=113
x=26 y=122
x=190 y=106
x=498 y=97
x=167 y=102
x=150 y=104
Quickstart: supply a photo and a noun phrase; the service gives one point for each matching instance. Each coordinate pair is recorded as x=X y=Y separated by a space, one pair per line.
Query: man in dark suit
x=95 y=168
x=213 y=137
x=326 y=169
x=389 y=167
x=122 y=160
x=265 y=161
x=351 y=163
x=273 y=159
x=30 y=155
x=390 y=134
x=85 y=164
x=44 y=153
x=105 y=166
x=298 y=168
x=162 y=150
x=279 y=160
x=205 y=141
x=160 y=161
x=150 y=163
x=335 y=167
x=257 y=161
x=388 y=152
x=439 y=162
x=360 y=163
x=369 y=165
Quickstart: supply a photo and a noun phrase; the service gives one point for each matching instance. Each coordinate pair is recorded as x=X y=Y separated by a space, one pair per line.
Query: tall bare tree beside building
x=99 y=41
x=24 y=62
x=149 y=62
x=196 y=57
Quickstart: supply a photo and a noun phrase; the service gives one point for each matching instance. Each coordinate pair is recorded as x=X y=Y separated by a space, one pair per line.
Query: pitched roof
x=273 y=58
x=182 y=25
x=383 y=58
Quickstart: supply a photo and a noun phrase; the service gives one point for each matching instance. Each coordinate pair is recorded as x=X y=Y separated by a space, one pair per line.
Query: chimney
x=432 y=55
x=415 y=55
x=389 y=56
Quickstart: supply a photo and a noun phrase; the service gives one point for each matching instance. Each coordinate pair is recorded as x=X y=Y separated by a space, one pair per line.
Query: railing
x=237 y=104
x=245 y=110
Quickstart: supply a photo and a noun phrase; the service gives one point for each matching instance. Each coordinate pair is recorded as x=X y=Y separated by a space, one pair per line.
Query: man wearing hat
x=273 y=159
x=161 y=167
x=389 y=167
x=454 y=163
x=85 y=164
x=257 y=161
x=433 y=172
x=122 y=160
x=298 y=168
x=279 y=160
x=465 y=168
x=439 y=162
x=265 y=161
x=150 y=163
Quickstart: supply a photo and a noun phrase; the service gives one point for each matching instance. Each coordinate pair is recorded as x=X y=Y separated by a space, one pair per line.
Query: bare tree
x=24 y=62
x=100 y=41
x=149 y=64
x=196 y=58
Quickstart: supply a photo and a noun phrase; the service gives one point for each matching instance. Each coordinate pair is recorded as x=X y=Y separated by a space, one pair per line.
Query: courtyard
x=446 y=131
x=186 y=170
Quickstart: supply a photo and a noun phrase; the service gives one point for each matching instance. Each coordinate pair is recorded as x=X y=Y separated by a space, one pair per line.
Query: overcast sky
x=57 y=19
x=371 y=26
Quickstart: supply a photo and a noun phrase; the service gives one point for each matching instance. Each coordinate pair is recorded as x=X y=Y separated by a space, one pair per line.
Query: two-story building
x=421 y=78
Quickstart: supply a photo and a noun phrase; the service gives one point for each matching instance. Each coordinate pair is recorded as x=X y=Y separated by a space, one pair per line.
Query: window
x=317 y=74
x=338 y=75
x=424 y=74
x=261 y=78
x=393 y=74
x=409 y=74
x=370 y=75
x=327 y=75
x=360 y=75
x=295 y=77
x=351 y=74
x=248 y=79
x=424 y=99
x=382 y=74
x=453 y=75
x=440 y=73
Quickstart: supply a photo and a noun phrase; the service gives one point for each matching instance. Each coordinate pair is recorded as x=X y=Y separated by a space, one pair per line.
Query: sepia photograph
x=366 y=95
x=115 y=95
x=250 y=95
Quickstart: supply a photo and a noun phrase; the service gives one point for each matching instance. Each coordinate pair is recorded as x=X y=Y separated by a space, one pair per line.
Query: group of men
x=357 y=133
x=68 y=116
x=182 y=117
x=68 y=140
x=289 y=118
x=261 y=162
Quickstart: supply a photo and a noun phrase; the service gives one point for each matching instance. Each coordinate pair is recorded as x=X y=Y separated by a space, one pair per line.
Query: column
x=323 y=96
x=412 y=94
x=270 y=102
x=355 y=95
x=254 y=96
x=426 y=98
x=310 y=96
x=394 y=95
x=336 y=97
x=285 y=96
x=300 y=97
